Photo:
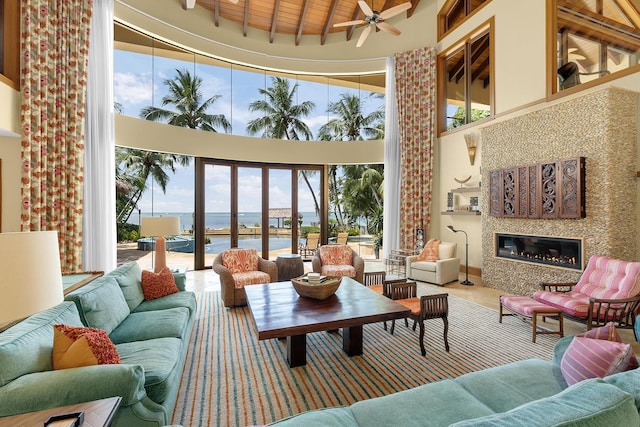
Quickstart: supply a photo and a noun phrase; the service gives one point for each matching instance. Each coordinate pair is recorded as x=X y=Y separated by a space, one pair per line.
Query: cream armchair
x=440 y=272
x=239 y=268
x=338 y=260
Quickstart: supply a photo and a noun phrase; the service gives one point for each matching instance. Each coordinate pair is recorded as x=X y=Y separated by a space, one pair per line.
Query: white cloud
x=129 y=88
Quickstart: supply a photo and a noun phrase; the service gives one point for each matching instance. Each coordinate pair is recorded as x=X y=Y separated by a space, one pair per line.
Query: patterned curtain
x=54 y=47
x=415 y=74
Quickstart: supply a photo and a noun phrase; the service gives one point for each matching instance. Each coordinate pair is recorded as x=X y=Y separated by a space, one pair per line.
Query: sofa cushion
x=426 y=405
x=504 y=387
x=447 y=250
x=590 y=403
x=424 y=265
x=157 y=285
x=75 y=346
x=326 y=417
x=240 y=260
x=335 y=254
x=101 y=304
x=129 y=277
x=338 y=270
x=159 y=358
x=572 y=303
x=628 y=381
x=430 y=252
x=180 y=299
x=242 y=279
x=590 y=358
x=147 y=325
x=27 y=346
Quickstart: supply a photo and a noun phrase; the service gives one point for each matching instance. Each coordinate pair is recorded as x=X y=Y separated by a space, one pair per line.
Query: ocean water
x=215 y=220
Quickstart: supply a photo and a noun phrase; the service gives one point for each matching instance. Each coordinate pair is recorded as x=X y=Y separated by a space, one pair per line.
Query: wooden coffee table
x=279 y=312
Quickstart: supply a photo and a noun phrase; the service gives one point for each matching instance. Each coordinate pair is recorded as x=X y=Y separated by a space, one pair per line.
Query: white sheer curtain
x=99 y=223
x=391 y=216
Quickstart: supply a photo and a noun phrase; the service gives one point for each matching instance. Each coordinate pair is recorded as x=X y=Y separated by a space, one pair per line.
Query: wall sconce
x=472 y=143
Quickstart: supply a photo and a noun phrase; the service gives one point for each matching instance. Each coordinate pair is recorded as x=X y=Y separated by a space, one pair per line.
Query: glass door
x=248 y=216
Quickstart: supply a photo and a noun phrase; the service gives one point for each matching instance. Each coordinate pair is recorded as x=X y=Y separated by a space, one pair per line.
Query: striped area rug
x=232 y=379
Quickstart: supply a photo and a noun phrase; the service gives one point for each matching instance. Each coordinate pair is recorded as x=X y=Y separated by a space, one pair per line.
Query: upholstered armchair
x=444 y=268
x=338 y=260
x=239 y=268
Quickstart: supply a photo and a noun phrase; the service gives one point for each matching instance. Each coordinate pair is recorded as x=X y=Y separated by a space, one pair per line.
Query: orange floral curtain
x=54 y=46
x=415 y=74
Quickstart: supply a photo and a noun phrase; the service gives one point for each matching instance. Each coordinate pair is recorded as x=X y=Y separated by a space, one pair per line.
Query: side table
x=289 y=266
x=397 y=261
x=98 y=413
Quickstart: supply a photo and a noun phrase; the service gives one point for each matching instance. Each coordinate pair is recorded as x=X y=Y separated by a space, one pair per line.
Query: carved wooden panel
x=544 y=190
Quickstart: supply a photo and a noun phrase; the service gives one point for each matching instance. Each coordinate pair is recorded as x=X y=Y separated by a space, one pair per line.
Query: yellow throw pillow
x=430 y=252
x=74 y=347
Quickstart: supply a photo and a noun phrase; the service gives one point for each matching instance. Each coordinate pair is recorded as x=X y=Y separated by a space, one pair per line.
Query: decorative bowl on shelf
x=321 y=289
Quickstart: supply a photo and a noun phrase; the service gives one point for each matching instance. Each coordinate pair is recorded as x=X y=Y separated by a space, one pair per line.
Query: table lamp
x=157 y=227
x=30 y=264
x=466 y=256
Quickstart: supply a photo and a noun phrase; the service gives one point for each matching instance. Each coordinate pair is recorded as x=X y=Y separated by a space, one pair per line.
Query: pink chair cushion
x=525 y=305
x=240 y=260
x=338 y=270
x=336 y=255
x=250 y=278
x=603 y=278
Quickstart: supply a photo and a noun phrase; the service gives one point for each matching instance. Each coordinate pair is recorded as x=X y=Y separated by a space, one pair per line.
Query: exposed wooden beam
x=274 y=20
x=414 y=4
x=303 y=15
x=245 y=19
x=629 y=11
x=328 y=22
x=216 y=12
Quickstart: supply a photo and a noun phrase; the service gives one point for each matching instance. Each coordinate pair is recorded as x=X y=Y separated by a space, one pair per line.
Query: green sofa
x=151 y=338
x=530 y=392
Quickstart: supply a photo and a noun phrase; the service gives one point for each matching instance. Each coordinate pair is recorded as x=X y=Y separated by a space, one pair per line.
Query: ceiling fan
x=374 y=18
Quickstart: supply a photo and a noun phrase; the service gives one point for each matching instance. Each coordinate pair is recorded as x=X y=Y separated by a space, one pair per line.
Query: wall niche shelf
x=466 y=190
x=475 y=213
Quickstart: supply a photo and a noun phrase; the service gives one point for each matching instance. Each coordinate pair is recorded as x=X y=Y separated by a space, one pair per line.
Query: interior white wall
x=10 y=156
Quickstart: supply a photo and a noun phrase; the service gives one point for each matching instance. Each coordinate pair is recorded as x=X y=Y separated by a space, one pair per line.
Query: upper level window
x=10 y=42
x=465 y=80
x=454 y=12
x=594 y=38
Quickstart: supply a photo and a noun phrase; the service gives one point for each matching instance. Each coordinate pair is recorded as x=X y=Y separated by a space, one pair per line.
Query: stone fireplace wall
x=600 y=126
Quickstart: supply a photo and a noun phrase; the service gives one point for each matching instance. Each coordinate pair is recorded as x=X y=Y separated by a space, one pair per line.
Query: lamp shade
x=155 y=226
x=30 y=265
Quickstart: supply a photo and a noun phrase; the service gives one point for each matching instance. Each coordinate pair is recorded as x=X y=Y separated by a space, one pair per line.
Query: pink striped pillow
x=592 y=358
x=609 y=332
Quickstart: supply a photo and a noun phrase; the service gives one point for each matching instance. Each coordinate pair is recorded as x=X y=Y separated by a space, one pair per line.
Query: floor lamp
x=157 y=227
x=30 y=262
x=466 y=257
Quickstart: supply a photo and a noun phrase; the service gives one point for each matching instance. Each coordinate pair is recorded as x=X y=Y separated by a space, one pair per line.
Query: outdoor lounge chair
x=608 y=291
x=311 y=243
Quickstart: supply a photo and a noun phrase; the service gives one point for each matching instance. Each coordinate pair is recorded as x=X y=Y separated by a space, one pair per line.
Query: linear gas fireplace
x=552 y=251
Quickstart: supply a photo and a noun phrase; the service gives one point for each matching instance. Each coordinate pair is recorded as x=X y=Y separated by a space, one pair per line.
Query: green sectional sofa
x=526 y=393
x=151 y=338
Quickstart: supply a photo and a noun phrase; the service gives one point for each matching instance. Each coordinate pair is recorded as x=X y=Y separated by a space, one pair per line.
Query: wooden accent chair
x=338 y=260
x=239 y=268
x=608 y=291
x=423 y=308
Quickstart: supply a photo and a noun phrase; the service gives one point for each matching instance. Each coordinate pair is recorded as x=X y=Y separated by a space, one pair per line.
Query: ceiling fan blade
x=395 y=10
x=388 y=28
x=364 y=35
x=365 y=8
x=349 y=23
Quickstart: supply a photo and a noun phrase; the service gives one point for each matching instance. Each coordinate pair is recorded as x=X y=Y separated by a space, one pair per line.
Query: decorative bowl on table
x=320 y=289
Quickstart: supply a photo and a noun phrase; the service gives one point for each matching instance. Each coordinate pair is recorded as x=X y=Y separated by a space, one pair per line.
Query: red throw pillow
x=78 y=346
x=158 y=285
x=431 y=251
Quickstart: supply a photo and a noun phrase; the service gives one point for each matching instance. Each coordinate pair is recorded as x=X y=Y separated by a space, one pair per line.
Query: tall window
x=593 y=38
x=455 y=12
x=465 y=80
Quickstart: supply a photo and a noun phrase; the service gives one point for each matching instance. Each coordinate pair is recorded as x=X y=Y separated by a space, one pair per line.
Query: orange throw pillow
x=158 y=285
x=78 y=346
x=430 y=252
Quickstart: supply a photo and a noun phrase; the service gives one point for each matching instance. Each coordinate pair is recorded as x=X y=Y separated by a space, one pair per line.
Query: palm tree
x=281 y=117
x=185 y=95
x=133 y=168
x=350 y=124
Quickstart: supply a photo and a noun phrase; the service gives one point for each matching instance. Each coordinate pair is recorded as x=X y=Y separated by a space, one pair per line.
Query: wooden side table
x=289 y=266
x=98 y=413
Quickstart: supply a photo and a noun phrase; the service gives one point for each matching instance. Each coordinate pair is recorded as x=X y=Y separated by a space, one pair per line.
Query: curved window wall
x=148 y=72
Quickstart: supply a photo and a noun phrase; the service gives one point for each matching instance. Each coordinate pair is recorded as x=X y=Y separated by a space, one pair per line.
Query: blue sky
x=138 y=83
